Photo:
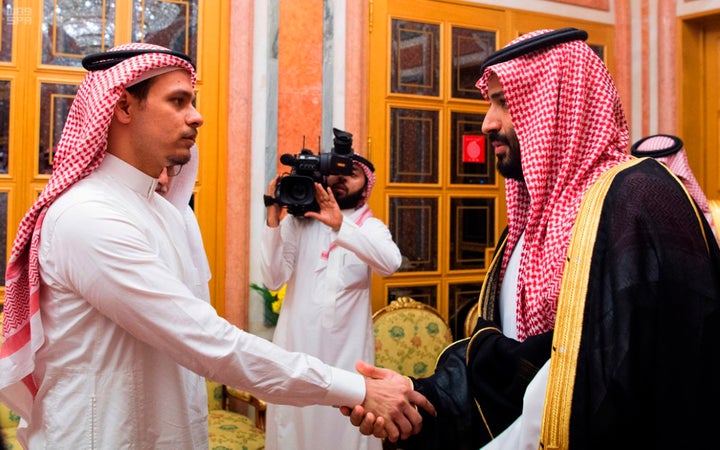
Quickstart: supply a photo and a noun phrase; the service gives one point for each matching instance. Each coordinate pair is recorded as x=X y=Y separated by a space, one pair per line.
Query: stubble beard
x=350 y=201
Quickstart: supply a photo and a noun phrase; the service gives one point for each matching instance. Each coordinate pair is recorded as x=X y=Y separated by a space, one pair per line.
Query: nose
x=194 y=118
x=492 y=121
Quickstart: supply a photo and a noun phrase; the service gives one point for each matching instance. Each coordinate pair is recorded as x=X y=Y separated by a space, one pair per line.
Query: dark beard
x=510 y=169
x=509 y=164
x=350 y=201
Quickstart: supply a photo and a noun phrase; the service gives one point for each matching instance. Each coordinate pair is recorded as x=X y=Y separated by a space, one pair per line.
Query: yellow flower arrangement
x=272 y=301
x=279 y=296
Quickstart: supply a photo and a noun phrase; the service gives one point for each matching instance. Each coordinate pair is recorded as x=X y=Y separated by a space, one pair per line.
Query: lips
x=499 y=146
x=189 y=140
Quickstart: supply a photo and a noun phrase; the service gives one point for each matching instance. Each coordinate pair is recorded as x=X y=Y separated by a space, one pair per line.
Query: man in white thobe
x=326 y=258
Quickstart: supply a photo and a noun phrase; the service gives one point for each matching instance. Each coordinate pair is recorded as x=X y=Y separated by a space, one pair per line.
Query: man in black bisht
x=600 y=314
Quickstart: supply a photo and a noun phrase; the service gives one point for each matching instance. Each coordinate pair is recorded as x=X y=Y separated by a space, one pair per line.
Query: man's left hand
x=329 y=213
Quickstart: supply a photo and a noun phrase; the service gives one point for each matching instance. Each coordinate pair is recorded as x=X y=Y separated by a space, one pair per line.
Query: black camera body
x=296 y=190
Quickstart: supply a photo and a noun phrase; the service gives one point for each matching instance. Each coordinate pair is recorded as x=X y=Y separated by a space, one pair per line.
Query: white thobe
x=524 y=432
x=128 y=343
x=326 y=313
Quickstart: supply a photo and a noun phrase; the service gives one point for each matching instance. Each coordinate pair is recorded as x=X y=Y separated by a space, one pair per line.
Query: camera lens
x=296 y=190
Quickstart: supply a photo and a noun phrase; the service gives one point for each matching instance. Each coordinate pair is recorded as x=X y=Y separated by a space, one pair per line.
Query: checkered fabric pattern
x=568 y=118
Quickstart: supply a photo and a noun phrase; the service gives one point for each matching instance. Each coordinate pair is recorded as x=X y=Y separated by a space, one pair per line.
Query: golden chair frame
x=471 y=319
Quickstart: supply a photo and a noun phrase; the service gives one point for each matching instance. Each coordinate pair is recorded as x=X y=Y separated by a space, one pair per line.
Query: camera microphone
x=287 y=159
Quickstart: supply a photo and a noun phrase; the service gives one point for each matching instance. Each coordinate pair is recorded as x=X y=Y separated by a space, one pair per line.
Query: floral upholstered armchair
x=228 y=429
x=409 y=337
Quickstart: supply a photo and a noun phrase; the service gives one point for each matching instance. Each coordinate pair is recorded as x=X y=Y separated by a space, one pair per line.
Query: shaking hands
x=390 y=409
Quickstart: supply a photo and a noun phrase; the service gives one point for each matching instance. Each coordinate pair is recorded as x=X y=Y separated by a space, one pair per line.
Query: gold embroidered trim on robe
x=555 y=430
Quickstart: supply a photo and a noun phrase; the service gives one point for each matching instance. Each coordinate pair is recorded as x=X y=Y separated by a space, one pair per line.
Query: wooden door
x=699 y=99
x=705 y=160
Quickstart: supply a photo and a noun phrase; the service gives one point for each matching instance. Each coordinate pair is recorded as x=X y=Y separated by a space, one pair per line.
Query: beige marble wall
x=646 y=64
x=623 y=56
x=356 y=82
x=667 y=68
x=300 y=45
x=237 y=229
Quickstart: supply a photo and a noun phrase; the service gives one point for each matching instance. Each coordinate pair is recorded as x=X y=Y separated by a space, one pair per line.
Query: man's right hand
x=274 y=210
x=390 y=409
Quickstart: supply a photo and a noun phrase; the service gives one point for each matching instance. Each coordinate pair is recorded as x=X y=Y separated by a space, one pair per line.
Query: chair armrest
x=259 y=405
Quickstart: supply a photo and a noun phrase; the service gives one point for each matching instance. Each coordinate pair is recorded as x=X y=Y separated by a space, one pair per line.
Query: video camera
x=297 y=189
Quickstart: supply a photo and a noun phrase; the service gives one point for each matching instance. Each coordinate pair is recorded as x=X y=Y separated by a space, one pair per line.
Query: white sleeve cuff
x=347 y=388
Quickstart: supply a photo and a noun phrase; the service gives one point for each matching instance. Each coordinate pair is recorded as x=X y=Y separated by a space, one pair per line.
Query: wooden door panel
x=705 y=161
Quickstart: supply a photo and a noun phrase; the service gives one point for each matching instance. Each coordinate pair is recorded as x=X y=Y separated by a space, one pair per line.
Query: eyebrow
x=182 y=92
x=497 y=94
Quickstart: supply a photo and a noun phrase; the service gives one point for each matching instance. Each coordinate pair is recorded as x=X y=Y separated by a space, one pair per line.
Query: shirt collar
x=128 y=175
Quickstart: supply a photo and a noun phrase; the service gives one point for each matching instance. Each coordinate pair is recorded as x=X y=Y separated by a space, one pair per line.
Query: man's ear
x=122 y=107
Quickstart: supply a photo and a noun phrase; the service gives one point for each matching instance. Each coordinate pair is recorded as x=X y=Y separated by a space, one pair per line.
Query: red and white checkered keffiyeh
x=370 y=177
x=80 y=150
x=569 y=121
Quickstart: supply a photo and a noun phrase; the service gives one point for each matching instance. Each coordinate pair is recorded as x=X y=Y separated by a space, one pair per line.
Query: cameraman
x=326 y=259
